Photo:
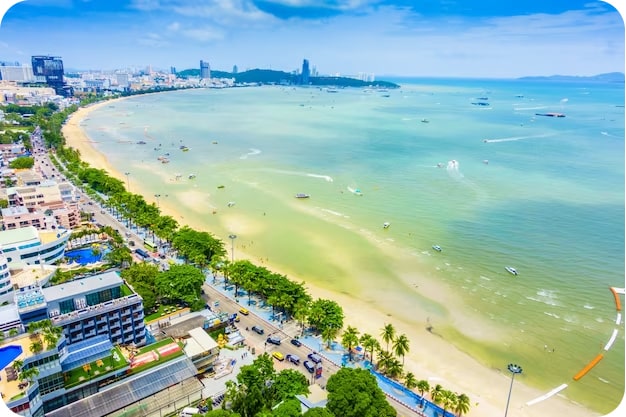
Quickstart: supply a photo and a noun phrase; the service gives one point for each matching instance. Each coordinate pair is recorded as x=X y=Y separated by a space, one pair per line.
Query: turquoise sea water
x=542 y=194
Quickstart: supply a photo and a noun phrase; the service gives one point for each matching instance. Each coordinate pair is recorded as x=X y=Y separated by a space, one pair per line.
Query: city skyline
x=465 y=38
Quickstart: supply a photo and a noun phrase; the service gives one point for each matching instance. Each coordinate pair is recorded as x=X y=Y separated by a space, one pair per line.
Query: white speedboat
x=437 y=248
x=230 y=203
x=302 y=195
x=386 y=225
x=511 y=270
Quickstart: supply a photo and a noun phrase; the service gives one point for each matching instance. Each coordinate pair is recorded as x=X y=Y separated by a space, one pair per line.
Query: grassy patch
x=157 y=314
x=125 y=291
x=82 y=374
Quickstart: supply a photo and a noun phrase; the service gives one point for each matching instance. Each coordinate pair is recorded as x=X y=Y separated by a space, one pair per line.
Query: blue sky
x=462 y=38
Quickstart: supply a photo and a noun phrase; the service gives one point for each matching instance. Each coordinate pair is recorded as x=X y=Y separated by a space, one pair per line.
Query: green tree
x=181 y=282
x=401 y=346
x=388 y=334
x=423 y=387
x=370 y=344
x=4 y=203
x=448 y=400
x=462 y=404
x=22 y=162
x=221 y=413
x=436 y=394
x=326 y=314
x=289 y=383
x=350 y=339
x=410 y=381
x=318 y=412
x=354 y=392
x=288 y=408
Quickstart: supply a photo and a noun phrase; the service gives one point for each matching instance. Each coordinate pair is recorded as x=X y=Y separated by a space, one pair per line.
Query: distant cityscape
x=49 y=71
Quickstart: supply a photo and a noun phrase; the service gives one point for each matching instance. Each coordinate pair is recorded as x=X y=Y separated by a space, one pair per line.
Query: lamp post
x=514 y=369
x=157 y=199
x=127 y=181
x=232 y=247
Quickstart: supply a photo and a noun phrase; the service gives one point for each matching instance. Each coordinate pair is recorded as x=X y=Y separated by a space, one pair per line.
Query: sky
x=440 y=38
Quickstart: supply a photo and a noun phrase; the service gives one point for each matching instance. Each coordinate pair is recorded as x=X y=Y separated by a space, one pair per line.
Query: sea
x=472 y=165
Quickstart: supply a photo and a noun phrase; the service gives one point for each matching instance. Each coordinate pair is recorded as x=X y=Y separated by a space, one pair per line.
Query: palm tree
x=448 y=400
x=370 y=343
x=401 y=346
x=384 y=359
x=350 y=339
x=436 y=394
x=410 y=381
x=388 y=334
x=28 y=374
x=394 y=368
x=462 y=404
x=17 y=365
x=328 y=334
x=36 y=346
x=423 y=386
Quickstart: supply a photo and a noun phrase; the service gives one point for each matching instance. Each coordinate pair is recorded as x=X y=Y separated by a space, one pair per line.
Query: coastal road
x=230 y=306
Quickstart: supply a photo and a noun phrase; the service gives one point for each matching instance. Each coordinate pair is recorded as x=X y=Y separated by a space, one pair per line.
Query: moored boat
x=386 y=225
x=437 y=248
x=511 y=270
x=302 y=195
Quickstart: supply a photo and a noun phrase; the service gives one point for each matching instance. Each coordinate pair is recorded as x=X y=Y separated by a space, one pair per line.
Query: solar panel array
x=130 y=390
x=86 y=351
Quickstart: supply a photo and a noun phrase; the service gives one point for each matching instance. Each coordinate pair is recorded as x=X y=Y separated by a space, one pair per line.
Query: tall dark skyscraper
x=205 y=70
x=50 y=68
x=235 y=69
x=306 y=72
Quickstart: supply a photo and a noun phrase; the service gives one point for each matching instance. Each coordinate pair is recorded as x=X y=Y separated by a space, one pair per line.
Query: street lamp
x=157 y=199
x=232 y=247
x=127 y=181
x=514 y=369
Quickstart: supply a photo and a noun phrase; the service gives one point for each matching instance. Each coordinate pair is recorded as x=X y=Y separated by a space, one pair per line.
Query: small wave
x=530 y=108
x=588 y=307
x=326 y=177
x=603 y=380
x=252 y=152
x=515 y=138
x=335 y=213
x=551 y=315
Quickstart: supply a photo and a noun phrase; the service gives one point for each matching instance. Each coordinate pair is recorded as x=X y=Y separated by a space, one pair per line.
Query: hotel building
x=27 y=245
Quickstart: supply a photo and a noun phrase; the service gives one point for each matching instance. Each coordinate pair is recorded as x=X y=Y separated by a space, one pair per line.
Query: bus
x=142 y=253
x=150 y=245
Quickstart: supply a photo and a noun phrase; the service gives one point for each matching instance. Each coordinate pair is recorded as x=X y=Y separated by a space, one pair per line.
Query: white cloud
x=203 y=34
x=173 y=27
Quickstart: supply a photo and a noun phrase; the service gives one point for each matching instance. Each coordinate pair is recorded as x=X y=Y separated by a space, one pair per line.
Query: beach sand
x=430 y=357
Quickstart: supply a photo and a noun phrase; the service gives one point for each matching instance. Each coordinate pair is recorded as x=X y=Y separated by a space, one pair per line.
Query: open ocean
x=543 y=194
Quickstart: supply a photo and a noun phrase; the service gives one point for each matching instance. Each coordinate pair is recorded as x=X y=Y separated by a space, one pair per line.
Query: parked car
x=309 y=366
x=296 y=342
x=315 y=357
x=293 y=359
x=273 y=340
x=258 y=329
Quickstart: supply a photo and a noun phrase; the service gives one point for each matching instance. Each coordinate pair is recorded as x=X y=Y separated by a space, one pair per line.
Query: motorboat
x=192 y=176
x=511 y=270
x=386 y=225
x=302 y=195
x=437 y=248
x=231 y=203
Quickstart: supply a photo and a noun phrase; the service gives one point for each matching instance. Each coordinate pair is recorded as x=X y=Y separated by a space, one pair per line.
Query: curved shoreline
x=431 y=357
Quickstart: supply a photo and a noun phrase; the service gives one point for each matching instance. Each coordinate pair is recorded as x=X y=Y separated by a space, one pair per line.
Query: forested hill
x=265 y=76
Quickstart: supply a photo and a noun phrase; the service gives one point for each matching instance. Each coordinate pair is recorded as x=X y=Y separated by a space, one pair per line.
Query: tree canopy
x=353 y=392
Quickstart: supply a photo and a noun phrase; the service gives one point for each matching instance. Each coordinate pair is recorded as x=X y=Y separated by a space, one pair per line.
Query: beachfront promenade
x=406 y=402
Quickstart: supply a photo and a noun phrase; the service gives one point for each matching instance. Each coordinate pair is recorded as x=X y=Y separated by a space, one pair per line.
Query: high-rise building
x=172 y=70
x=306 y=72
x=49 y=69
x=205 y=70
x=235 y=69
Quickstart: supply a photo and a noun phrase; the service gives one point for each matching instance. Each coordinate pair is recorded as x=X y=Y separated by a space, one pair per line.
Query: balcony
x=133 y=301
x=116 y=333
x=114 y=324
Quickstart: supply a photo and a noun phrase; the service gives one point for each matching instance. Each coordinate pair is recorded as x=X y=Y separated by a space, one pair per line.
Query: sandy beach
x=430 y=357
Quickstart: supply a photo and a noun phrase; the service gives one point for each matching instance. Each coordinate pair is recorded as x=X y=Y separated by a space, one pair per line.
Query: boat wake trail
x=251 y=153
x=515 y=138
x=302 y=174
x=453 y=169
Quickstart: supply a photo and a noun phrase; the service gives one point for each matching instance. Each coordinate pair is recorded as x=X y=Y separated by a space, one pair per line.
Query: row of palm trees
x=389 y=365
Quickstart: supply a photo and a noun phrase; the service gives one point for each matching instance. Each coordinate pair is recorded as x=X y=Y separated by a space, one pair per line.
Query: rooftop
x=32 y=275
x=23 y=234
x=81 y=286
x=199 y=342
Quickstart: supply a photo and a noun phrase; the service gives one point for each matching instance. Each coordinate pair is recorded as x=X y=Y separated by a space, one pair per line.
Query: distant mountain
x=610 y=77
x=265 y=76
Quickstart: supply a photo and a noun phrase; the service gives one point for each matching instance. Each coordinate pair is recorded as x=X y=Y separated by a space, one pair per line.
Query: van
x=189 y=411
x=315 y=357
x=244 y=311
x=293 y=359
x=273 y=340
x=276 y=354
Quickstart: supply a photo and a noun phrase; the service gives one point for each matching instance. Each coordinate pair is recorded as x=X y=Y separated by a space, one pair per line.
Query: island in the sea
x=267 y=76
